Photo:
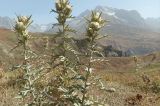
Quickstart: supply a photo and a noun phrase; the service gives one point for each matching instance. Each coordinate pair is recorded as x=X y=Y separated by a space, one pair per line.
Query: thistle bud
x=68 y=10
x=90 y=30
x=63 y=9
x=95 y=16
x=64 y=1
x=25 y=33
x=100 y=20
x=95 y=25
x=23 y=19
x=58 y=6
x=19 y=26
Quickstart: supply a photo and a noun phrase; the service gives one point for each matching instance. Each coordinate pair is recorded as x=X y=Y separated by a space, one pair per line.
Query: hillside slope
x=119 y=73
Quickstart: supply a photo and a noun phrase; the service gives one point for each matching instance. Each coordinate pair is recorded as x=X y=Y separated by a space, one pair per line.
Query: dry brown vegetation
x=119 y=73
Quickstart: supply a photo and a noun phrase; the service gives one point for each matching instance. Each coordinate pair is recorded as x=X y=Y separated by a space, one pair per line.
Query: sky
x=40 y=9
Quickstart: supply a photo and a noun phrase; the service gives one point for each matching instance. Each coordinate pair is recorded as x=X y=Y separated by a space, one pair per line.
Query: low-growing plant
x=150 y=86
x=155 y=87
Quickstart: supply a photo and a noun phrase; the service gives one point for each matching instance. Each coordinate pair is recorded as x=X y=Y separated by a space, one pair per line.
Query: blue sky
x=40 y=9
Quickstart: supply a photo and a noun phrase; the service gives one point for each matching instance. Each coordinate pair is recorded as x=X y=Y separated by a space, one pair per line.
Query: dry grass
x=118 y=73
x=127 y=82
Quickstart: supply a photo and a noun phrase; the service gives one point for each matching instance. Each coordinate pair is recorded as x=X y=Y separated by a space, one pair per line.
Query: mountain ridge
x=8 y=23
x=116 y=16
x=129 y=30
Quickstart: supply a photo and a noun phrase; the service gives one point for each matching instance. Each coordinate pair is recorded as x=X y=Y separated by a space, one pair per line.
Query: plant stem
x=88 y=73
x=25 y=52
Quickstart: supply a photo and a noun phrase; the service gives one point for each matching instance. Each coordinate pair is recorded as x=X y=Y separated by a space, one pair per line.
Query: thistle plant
x=21 y=25
x=94 y=25
x=136 y=62
x=64 y=55
x=76 y=80
x=30 y=73
x=63 y=10
x=71 y=78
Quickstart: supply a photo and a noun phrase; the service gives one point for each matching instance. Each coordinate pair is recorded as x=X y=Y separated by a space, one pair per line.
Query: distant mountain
x=120 y=19
x=121 y=16
x=154 y=23
x=38 y=28
x=117 y=17
x=128 y=29
x=8 y=23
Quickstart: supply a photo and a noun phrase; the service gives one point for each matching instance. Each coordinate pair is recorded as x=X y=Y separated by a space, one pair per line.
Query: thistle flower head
x=63 y=9
x=26 y=20
x=95 y=24
x=61 y=5
x=21 y=25
x=90 y=30
x=68 y=10
x=95 y=16
x=22 y=18
x=64 y=2
x=58 y=6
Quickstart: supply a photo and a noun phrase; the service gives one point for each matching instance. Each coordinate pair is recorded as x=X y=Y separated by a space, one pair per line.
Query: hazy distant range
x=128 y=29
